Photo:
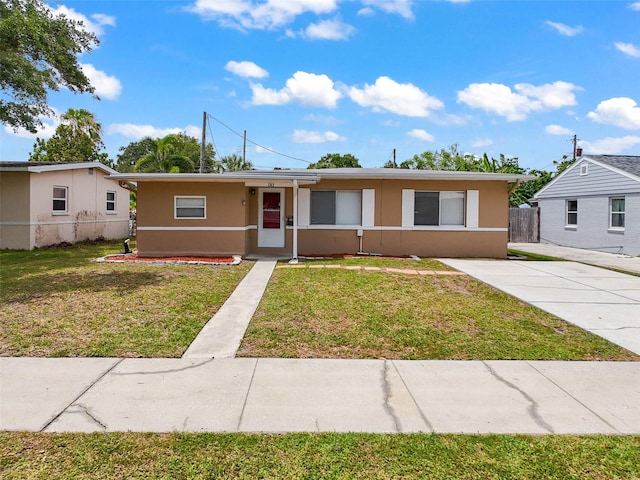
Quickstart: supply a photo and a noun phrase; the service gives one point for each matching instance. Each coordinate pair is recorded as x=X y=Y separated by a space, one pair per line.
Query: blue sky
x=310 y=77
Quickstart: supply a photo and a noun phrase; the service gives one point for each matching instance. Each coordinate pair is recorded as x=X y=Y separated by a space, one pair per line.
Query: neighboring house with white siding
x=46 y=204
x=594 y=204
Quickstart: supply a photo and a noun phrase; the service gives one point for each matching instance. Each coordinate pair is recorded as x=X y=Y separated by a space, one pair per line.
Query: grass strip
x=31 y=456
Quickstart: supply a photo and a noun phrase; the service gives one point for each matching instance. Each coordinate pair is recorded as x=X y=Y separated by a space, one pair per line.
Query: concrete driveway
x=604 y=302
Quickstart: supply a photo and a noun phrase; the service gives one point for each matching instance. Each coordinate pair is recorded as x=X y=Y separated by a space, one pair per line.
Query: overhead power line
x=257 y=144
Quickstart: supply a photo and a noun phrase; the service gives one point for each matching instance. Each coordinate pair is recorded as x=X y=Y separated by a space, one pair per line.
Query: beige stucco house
x=319 y=212
x=46 y=204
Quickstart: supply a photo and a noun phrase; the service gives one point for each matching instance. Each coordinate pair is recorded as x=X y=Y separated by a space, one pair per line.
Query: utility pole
x=244 y=148
x=204 y=139
x=395 y=165
x=575 y=145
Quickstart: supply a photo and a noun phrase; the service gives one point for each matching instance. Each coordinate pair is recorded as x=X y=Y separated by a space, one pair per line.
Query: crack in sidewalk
x=171 y=370
x=386 y=390
x=533 y=405
x=89 y=387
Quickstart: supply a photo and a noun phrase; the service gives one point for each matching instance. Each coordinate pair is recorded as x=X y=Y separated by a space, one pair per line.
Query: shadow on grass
x=37 y=287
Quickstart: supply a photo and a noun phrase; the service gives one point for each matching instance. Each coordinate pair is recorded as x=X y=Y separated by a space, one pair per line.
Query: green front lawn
x=57 y=302
x=30 y=456
x=341 y=313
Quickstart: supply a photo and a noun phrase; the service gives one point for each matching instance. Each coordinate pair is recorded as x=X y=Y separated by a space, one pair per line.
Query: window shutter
x=368 y=207
x=304 y=207
x=408 y=207
x=473 y=208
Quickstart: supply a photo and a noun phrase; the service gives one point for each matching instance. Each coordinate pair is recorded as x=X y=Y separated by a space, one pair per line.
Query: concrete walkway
x=290 y=395
x=604 y=302
x=591 y=257
x=221 y=336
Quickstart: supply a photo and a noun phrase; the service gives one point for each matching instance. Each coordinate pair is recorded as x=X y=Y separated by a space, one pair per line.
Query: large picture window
x=336 y=207
x=572 y=213
x=616 y=210
x=60 y=197
x=190 y=207
x=438 y=208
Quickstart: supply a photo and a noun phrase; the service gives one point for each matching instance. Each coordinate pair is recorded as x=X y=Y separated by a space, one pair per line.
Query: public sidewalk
x=290 y=395
x=591 y=257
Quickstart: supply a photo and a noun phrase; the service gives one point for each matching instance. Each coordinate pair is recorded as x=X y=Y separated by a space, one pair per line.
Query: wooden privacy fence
x=524 y=225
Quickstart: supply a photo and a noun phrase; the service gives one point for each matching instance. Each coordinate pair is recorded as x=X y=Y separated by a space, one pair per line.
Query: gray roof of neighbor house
x=626 y=163
x=37 y=167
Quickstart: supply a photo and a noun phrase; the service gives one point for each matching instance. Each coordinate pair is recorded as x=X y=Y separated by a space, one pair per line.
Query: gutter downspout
x=295 y=221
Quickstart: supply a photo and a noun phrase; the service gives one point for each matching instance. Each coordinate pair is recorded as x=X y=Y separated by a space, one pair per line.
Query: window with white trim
x=60 y=197
x=111 y=202
x=438 y=208
x=190 y=207
x=572 y=213
x=584 y=169
x=616 y=213
x=336 y=207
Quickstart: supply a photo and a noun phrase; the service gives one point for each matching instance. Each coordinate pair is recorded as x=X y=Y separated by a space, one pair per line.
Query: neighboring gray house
x=594 y=204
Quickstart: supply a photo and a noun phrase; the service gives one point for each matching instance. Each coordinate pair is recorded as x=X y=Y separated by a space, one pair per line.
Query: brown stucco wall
x=225 y=209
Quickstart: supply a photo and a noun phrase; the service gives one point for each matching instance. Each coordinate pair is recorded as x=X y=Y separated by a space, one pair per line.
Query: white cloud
x=420 y=134
x=246 y=69
x=552 y=95
x=307 y=89
x=628 y=49
x=328 y=30
x=306 y=136
x=514 y=106
x=269 y=14
x=326 y=119
x=105 y=85
x=622 y=112
x=611 y=145
x=399 y=7
x=95 y=26
x=48 y=128
x=131 y=130
x=635 y=6
x=565 y=30
x=558 y=130
x=102 y=19
x=482 y=142
x=399 y=98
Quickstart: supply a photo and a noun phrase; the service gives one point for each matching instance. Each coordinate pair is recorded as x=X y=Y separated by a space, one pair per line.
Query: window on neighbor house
x=60 y=195
x=572 y=212
x=111 y=202
x=190 y=207
x=438 y=208
x=616 y=213
x=336 y=207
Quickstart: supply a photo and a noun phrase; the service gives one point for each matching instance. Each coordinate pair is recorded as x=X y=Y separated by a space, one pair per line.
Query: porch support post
x=295 y=219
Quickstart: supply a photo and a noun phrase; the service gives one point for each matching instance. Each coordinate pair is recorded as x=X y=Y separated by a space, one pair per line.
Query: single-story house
x=321 y=212
x=594 y=204
x=50 y=203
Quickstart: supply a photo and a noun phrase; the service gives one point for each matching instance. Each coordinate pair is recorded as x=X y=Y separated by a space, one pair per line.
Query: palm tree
x=83 y=121
x=235 y=163
x=165 y=158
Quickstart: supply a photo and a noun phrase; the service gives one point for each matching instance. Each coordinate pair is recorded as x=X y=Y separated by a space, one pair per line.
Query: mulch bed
x=190 y=260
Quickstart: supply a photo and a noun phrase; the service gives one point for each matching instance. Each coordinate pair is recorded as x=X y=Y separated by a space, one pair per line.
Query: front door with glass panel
x=271 y=224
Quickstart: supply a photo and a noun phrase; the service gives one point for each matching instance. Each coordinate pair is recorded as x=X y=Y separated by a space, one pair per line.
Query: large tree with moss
x=38 y=54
